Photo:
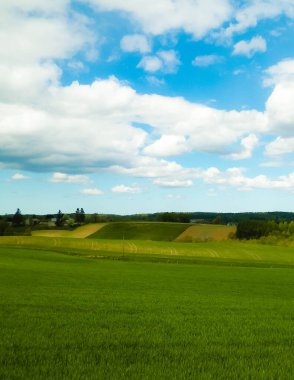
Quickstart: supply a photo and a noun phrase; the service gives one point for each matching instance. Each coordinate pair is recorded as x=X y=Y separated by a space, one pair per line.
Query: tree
x=17 y=219
x=82 y=216
x=77 y=216
x=59 y=217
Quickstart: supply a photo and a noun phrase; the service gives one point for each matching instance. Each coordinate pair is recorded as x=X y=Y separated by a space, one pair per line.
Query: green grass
x=141 y=231
x=69 y=317
x=228 y=251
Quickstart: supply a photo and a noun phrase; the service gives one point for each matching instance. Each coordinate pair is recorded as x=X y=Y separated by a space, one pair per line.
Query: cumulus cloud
x=165 y=60
x=150 y=64
x=167 y=145
x=69 y=178
x=207 y=60
x=249 y=48
x=254 y=11
x=19 y=177
x=248 y=143
x=282 y=72
x=196 y=18
x=135 y=43
x=163 y=182
x=92 y=192
x=235 y=177
x=126 y=189
x=92 y=127
x=280 y=146
x=50 y=127
x=280 y=111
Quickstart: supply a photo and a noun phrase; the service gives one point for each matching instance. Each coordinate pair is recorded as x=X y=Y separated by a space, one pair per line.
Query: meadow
x=91 y=308
x=71 y=317
x=230 y=251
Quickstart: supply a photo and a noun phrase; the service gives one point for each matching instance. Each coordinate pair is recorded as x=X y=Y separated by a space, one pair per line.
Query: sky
x=136 y=106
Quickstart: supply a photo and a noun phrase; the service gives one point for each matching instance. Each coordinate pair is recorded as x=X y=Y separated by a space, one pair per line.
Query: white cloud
x=40 y=32
x=248 y=143
x=282 y=72
x=100 y=117
x=167 y=145
x=32 y=35
x=165 y=60
x=253 y=11
x=170 y=60
x=163 y=171
x=76 y=65
x=126 y=189
x=68 y=178
x=280 y=146
x=196 y=18
x=207 y=60
x=235 y=177
x=154 y=81
x=172 y=182
x=19 y=177
x=150 y=63
x=280 y=110
x=135 y=43
x=92 y=192
x=249 y=48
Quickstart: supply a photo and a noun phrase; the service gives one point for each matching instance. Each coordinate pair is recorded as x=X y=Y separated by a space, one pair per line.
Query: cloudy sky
x=128 y=106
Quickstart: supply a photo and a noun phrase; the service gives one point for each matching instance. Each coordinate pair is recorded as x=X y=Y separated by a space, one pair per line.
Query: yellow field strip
x=79 y=233
x=206 y=232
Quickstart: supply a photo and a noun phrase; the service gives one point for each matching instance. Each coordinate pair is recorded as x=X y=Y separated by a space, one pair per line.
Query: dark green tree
x=78 y=215
x=59 y=220
x=82 y=216
x=18 y=219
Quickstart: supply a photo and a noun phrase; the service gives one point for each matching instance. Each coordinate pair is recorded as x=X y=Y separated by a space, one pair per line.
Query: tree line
x=20 y=224
x=256 y=229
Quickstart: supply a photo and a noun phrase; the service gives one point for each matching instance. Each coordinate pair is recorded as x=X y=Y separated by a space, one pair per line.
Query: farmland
x=79 y=233
x=141 y=231
x=206 y=232
x=128 y=319
x=128 y=309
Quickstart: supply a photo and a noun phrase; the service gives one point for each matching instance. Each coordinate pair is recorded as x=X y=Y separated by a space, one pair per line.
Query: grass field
x=141 y=231
x=206 y=232
x=70 y=317
x=80 y=232
x=231 y=251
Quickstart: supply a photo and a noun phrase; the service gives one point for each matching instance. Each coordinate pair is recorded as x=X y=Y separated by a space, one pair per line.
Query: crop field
x=141 y=231
x=206 y=232
x=231 y=251
x=72 y=317
x=80 y=232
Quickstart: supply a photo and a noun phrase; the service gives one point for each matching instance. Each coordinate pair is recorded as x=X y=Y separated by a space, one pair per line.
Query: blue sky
x=137 y=106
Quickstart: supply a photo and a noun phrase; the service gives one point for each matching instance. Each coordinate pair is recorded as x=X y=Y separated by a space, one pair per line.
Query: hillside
x=140 y=231
x=206 y=232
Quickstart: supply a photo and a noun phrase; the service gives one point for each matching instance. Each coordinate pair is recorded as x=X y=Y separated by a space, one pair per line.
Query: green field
x=225 y=251
x=141 y=231
x=71 y=317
